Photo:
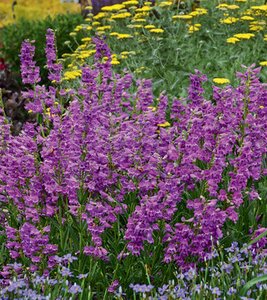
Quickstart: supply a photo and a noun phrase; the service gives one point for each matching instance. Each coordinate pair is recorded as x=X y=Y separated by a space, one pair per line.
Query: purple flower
x=54 y=69
x=112 y=288
x=65 y=272
x=83 y=276
x=68 y=258
x=215 y=291
x=29 y=72
x=75 y=289
x=227 y=267
x=141 y=288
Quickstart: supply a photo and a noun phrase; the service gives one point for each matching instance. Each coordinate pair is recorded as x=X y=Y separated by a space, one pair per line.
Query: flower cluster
x=29 y=71
x=238 y=268
x=189 y=167
x=54 y=69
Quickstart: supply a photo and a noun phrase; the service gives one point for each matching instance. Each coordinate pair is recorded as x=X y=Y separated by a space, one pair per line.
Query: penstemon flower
x=50 y=51
x=29 y=71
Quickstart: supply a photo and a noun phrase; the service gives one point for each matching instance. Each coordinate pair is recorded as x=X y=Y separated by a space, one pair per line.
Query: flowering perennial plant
x=29 y=71
x=54 y=69
x=176 y=174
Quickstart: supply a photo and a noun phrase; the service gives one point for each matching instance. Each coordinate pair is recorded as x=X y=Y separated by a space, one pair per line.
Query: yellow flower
x=86 y=39
x=219 y=80
x=201 y=11
x=135 y=26
x=96 y=23
x=103 y=28
x=123 y=36
x=78 y=28
x=152 y=108
x=193 y=28
x=165 y=124
x=89 y=7
x=232 y=40
x=222 y=6
x=165 y=3
x=141 y=15
x=72 y=74
x=121 y=16
x=73 y=34
x=256 y=28
x=115 y=7
x=115 y=61
x=194 y=13
x=183 y=17
x=261 y=107
x=260 y=8
x=247 y=18
x=229 y=20
x=149 y=26
x=86 y=54
x=100 y=15
x=138 y=20
x=48 y=111
x=245 y=36
x=232 y=7
x=114 y=33
x=130 y=3
x=143 y=9
x=83 y=46
x=258 y=23
x=156 y=30
x=263 y=63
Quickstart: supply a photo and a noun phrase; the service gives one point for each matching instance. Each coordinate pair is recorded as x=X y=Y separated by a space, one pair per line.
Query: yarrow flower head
x=30 y=73
x=221 y=80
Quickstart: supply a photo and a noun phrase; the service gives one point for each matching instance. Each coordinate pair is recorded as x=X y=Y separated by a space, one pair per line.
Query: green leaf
x=252 y=282
x=255 y=240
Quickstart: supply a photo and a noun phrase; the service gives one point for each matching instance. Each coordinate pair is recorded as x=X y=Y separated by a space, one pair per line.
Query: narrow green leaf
x=252 y=282
x=255 y=240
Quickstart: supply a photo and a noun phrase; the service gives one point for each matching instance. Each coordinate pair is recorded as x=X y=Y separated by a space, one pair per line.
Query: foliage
x=167 y=43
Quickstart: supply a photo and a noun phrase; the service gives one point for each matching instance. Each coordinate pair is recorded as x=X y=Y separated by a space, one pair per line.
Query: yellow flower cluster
x=130 y=21
x=164 y=125
x=33 y=9
x=254 y=17
x=112 y=8
x=219 y=80
x=225 y=6
x=229 y=20
x=68 y=75
x=123 y=15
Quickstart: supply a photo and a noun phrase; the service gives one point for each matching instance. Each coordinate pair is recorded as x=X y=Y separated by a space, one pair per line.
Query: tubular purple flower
x=30 y=73
x=51 y=56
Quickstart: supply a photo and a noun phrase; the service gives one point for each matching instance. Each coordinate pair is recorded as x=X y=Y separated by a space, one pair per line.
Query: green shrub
x=13 y=35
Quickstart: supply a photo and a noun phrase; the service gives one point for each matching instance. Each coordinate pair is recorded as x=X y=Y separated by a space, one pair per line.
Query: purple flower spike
x=51 y=56
x=30 y=74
